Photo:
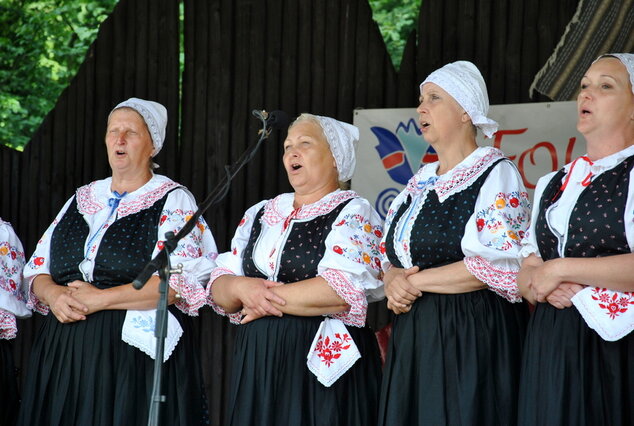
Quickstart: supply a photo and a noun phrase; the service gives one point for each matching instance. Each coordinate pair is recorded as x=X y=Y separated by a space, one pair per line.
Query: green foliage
x=42 y=45
x=396 y=19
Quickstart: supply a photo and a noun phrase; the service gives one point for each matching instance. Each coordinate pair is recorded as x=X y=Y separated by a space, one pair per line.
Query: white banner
x=539 y=138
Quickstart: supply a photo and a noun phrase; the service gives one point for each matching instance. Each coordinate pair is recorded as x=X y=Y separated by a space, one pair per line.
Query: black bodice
x=596 y=226
x=126 y=247
x=303 y=250
x=438 y=230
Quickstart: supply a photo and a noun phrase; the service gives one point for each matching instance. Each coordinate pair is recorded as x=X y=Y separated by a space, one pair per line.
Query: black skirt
x=454 y=360
x=9 y=398
x=84 y=374
x=571 y=376
x=272 y=386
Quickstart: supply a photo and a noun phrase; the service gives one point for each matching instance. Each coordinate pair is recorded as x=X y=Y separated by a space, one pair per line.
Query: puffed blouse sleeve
x=196 y=251
x=40 y=261
x=12 y=298
x=352 y=260
x=493 y=234
x=230 y=263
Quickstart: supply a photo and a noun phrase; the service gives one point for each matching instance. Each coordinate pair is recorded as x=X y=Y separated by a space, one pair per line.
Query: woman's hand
x=257 y=297
x=399 y=291
x=545 y=279
x=87 y=294
x=561 y=297
x=525 y=277
x=59 y=299
x=398 y=309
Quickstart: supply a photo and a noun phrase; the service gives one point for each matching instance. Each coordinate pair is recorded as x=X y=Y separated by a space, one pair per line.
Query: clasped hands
x=400 y=292
x=73 y=302
x=542 y=281
x=258 y=299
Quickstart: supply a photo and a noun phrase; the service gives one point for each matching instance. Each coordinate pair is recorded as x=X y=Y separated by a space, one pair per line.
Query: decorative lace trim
x=402 y=246
x=234 y=317
x=87 y=201
x=501 y=282
x=461 y=177
x=8 y=325
x=33 y=303
x=273 y=214
x=88 y=204
x=356 y=314
x=193 y=295
x=146 y=200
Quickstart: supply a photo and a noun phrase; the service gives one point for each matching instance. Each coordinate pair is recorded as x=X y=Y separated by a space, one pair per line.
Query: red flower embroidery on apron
x=613 y=302
x=330 y=350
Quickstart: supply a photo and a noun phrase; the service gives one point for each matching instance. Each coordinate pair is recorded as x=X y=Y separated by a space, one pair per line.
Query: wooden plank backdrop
x=320 y=56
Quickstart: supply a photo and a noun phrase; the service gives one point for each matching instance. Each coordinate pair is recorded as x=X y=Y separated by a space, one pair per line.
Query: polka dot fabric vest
x=596 y=226
x=302 y=251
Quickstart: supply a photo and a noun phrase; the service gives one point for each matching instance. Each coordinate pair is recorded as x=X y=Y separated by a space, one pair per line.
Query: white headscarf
x=154 y=115
x=627 y=59
x=343 y=139
x=463 y=81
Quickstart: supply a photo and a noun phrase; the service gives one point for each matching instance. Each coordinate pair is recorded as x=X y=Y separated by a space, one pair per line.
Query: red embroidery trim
x=460 y=179
x=8 y=326
x=339 y=281
x=193 y=295
x=501 y=282
x=87 y=201
x=235 y=317
x=614 y=302
x=272 y=214
x=330 y=350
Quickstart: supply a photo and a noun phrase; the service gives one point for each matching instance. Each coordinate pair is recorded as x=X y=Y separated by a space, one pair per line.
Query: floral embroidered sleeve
x=12 y=298
x=196 y=252
x=492 y=240
x=352 y=260
x=230 y=263
x=39 y=262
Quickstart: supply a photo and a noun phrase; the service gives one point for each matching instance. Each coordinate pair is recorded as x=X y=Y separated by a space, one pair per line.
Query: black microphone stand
x=161 y=262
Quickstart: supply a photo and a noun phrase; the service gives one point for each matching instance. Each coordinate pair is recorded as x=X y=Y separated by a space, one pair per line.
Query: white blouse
x=196 y=251
x=610 y=313
x=492 y=235
x=12 y=298
x=350 y=264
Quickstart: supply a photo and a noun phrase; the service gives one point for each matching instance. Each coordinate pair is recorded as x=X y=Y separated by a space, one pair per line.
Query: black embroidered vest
x=439 y=228
x=596 y=226
x=303 y=250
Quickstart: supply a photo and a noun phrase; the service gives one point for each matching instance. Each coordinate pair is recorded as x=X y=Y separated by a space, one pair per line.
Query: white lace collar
x=94 y=197
x=463 y=175
x=281 y=207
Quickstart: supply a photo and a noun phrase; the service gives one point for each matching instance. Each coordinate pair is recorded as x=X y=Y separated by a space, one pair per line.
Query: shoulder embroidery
x=464 y=177
x=272 y=214
x=87 y=203
x=146 y=200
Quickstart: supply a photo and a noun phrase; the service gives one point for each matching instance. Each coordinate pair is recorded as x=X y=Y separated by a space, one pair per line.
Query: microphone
x=275 y=119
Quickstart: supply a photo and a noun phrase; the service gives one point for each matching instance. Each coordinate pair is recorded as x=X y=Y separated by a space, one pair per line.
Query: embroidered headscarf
x=626 y=59
x=463 y=81
x=342 y=138
x=154 y=115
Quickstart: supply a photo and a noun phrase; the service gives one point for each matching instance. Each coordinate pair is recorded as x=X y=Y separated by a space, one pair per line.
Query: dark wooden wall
x=320 y=56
